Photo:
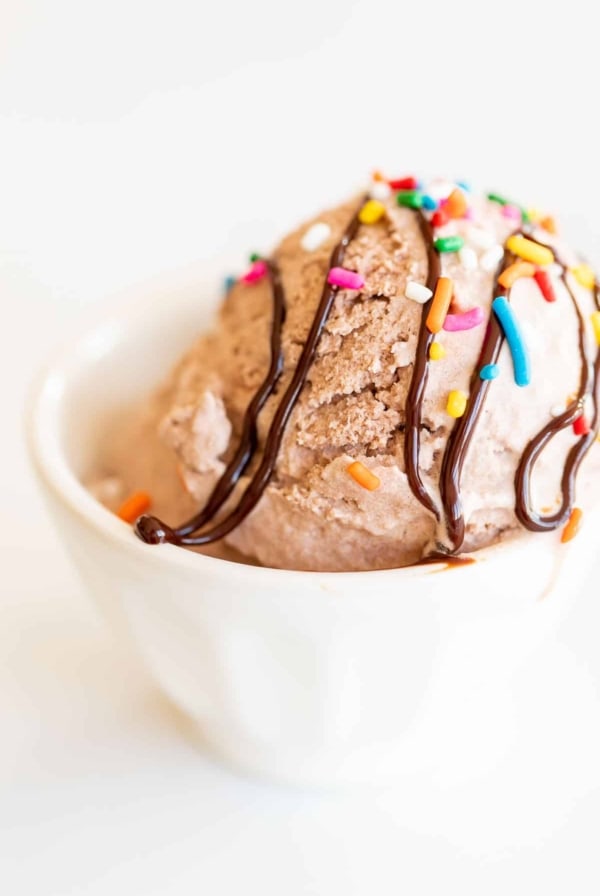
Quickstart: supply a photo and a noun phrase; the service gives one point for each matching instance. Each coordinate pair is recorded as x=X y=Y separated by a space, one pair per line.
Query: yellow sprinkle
x=584 y=275
x=528 y=250
x=437 y=351
x=596 y=325
x=457 y=403
x=535 y=214
x=371 y=211
x=363 y=476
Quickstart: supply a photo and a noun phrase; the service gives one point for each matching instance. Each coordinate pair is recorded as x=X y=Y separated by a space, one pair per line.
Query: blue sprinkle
x=228 y=282
x=520 y=356
x=429 y=203
x=464 y=185
x=489 y=372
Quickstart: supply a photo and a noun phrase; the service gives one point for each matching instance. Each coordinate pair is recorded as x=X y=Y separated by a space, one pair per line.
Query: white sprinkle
x=417 y=292
x=448 y=229
x=380 y=190
x=480 y=239
x=439 y=189
x=557 y=409
x=468 y=258
x=315 y=236
x=492 y=258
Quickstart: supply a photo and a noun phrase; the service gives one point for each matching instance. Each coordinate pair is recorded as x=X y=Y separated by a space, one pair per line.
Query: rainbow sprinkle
x=489 y=372
x=584 y=274
x=371 y=212
x=410 y=198
x=345 y=279
x=573 y=526
x=520 y=356
x=528 y=250
x=256 y=272
x=315 y=236
x=595 y=318
x=449 y=243
x=465 y=321
x=457 y=403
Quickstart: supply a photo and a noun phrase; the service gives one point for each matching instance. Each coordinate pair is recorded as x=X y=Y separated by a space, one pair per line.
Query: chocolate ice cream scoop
x=413 y=373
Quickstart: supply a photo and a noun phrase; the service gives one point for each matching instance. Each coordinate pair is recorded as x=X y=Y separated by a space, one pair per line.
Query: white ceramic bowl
x=311 y=677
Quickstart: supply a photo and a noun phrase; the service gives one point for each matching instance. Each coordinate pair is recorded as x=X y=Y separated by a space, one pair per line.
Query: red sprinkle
x=404 y=183
x=439 y=218
x=542 y=278
x=581 y=426
x=256 y=272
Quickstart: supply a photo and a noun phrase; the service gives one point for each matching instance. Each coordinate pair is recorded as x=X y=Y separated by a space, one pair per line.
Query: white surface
x=138 y=139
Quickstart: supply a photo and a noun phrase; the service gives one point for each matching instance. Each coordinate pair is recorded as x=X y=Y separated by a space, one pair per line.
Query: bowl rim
x=48 y=459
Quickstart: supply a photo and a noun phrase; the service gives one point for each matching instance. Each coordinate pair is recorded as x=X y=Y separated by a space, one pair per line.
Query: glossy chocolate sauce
x=588 y=385
x=153 y=531
x=464 y=428
x=418 y=383
x=248 y=439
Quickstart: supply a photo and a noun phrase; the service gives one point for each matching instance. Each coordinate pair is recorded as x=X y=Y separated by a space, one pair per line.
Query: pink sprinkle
x=469 y=214
x=257 y=271
x=512 y=211
x=345 y=278
x=465 y=321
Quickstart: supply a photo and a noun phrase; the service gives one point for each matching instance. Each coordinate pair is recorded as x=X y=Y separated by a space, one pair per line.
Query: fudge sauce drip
x=418 y=383
x=248 y=439
x=462 y=432
x=588 y=386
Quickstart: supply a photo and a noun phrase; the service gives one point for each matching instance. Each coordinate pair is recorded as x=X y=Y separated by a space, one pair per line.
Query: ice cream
x=412 y=373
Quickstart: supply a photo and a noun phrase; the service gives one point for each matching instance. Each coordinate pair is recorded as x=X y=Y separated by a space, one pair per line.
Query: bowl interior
x=118 y=363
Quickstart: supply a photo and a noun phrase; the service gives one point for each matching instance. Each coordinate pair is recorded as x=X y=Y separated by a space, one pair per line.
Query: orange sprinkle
x=511 y=274
x=439 y=305
x=456 y=204
x=363 y=476
x=573 y=526
x=134 y=506
x=549 y=224
x=377 y=175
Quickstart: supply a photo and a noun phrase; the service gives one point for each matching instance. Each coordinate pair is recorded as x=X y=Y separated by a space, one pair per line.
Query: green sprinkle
x=494 y=197
x=524 y=215
x=255 y=257
x=449 y=243
x=410 y=198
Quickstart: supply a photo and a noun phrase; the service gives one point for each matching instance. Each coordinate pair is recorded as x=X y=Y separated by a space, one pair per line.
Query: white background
x=138 y=138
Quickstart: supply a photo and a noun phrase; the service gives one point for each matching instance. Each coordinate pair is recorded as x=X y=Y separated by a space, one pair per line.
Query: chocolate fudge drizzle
x=588 y=385
x=154 y=531
x=464 y=428
x=248 y=439
x=418 y=383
